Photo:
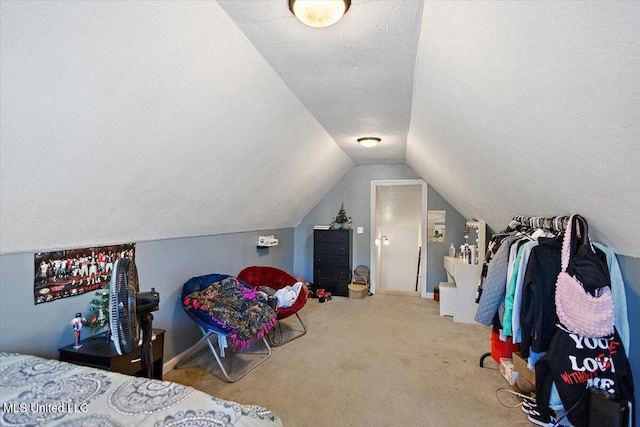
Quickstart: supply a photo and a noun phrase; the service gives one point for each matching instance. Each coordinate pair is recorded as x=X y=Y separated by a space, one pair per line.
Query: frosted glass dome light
x=369 y=141
x=319 y=13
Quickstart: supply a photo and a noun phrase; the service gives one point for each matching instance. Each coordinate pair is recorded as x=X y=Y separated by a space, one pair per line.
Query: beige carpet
x=381 y=361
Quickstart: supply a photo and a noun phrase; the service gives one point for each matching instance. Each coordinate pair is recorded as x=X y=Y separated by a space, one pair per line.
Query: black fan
x=130 y=310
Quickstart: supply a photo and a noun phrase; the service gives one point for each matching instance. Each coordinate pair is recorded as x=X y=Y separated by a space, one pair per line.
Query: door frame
x=422 y=285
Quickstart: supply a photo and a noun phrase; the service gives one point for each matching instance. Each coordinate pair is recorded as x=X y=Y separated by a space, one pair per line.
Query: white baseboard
x=428 y=295
x=169 y=365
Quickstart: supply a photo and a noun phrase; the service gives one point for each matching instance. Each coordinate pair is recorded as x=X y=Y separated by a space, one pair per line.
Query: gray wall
x=165 y=264
x=354 y=190
x=454 y=234
x=631 y=273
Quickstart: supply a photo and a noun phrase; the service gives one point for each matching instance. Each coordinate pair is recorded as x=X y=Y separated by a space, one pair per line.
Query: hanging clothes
x=537 y=307
x=619 y=295
x=513 y=298
x=517 y=297
x=499 y=319
x=575 y=364
x=505 y=305
x=494 y=287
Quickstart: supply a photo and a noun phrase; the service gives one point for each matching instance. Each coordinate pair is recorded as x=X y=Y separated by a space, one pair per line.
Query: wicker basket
x=357 y=291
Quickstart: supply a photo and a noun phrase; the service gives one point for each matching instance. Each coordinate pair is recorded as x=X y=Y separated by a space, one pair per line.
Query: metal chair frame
x=218 y=354
x=271 y=335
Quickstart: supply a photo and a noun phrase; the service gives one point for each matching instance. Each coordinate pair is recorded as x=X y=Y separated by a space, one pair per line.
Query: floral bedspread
x=36 y=391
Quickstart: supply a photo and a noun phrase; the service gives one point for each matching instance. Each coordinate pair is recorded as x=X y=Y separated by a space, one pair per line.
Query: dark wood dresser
x=332 y=260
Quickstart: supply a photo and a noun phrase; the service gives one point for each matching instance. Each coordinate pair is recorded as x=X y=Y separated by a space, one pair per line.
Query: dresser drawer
x=335 y=236
x=330 y=248
x=127 y=363
x=341 y=273
x=131 y=363
x=331 y=260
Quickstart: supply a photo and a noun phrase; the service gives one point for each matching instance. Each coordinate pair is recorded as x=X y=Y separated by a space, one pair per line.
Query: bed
x=36 y=391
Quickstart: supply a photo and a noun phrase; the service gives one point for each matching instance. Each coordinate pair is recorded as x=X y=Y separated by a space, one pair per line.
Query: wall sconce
x=319 y=13
x=382 y=240
x=369 y=141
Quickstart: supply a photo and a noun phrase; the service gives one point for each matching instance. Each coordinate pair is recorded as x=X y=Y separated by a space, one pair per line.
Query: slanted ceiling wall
x=137 y=121
x=532 y=108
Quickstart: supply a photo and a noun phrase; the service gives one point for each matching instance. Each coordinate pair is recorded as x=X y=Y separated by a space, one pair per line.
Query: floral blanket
x=235 y=307
x=44 y=392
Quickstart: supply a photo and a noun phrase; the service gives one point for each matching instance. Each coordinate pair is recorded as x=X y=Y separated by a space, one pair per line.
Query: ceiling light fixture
x=369 y=141
x=319 y=13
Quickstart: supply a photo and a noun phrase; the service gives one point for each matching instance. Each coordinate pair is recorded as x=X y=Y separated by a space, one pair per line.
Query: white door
x=398 y=214
x=399 y=259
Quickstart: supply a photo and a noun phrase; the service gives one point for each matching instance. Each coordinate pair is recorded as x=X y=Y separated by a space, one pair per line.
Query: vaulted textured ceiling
x=356 y=76
x=121 y=109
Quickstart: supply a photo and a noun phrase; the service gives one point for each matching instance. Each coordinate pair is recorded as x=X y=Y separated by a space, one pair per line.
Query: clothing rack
x=554 y=223
x=519 y=222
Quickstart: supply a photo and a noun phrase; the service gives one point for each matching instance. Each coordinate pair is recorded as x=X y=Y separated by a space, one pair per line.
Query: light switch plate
x=360 y=230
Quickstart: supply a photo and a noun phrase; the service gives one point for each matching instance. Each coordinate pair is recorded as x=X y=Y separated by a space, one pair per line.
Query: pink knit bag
x=578 y=311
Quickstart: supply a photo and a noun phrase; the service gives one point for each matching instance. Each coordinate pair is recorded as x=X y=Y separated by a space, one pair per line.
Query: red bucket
x=501 y=348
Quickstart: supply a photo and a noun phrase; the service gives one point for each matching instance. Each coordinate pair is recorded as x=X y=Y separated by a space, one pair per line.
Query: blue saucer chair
x=210 y=330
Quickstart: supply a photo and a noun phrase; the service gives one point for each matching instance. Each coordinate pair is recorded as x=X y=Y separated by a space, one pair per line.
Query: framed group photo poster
x=62 y=274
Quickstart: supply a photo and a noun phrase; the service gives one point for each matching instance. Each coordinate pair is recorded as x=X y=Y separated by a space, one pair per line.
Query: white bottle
x=452 y=251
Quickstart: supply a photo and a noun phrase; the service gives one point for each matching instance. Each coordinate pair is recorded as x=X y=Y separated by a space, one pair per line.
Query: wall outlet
x=360 y=230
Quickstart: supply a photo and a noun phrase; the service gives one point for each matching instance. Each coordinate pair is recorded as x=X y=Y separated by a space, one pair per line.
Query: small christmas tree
x=342 y=215
x=99 y=311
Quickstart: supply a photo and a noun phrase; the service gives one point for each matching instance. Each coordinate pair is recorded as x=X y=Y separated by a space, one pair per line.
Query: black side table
x=97 y=352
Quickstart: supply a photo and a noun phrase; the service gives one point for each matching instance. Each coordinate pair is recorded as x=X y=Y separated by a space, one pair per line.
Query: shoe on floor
x=536 y=418
x=527 y=406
